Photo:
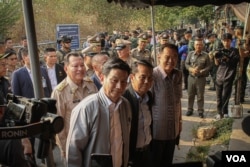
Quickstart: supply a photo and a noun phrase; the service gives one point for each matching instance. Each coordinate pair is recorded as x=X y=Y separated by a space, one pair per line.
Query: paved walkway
x=239 y=140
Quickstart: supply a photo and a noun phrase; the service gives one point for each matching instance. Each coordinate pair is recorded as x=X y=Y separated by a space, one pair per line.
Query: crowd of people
x=121 y=94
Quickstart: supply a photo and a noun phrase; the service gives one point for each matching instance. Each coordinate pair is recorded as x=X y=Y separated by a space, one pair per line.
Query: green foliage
x=10 y=12
x=94 y=16
x=198 y=153
x=223 y=130
x=222 y=137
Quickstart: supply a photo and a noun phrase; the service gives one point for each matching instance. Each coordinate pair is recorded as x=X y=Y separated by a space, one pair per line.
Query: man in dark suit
x=55 y=71
x=140 y=98
x=22 y=84
x=22 y=79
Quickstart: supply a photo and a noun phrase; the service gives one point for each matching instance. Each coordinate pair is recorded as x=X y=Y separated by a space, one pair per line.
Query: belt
x=142 y=149
x=196 y=76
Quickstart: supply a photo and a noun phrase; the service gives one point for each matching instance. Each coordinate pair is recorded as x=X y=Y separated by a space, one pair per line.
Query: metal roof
x=171 y=3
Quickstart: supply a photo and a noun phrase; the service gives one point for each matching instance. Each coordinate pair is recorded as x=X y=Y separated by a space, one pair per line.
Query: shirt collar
x=50 y=68
x=163 y=73
x=143 y=99
x=109 y=102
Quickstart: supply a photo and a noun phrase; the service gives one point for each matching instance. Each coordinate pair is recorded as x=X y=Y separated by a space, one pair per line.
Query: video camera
x=23 y=111
x=31 y=118
x=222 y=53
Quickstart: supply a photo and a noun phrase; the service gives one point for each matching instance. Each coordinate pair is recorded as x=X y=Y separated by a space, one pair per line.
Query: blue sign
x=69 y=30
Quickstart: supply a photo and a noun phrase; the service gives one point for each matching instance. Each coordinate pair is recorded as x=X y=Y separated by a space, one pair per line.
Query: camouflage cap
x=64 y=38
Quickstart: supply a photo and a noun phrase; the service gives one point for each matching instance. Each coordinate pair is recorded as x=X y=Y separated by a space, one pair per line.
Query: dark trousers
x=142 y=159
x=163 y=152
x=185 y=73
x=223 y=93
x=196 y=86
x=11 y=153
x=243 y=80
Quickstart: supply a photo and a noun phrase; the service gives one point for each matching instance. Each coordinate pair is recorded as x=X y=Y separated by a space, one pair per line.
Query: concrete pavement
x=238 y=140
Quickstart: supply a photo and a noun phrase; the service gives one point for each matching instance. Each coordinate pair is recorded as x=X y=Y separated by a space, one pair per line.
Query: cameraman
x=12 y=151
x=226 y=59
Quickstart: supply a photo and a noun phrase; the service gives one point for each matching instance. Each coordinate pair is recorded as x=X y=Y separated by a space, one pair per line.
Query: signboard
x=70 y=30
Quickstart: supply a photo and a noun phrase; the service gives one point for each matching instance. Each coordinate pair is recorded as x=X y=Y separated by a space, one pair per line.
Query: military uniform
x=196 y=83
x=68 y=95
x=140 y=52
x=61 y=53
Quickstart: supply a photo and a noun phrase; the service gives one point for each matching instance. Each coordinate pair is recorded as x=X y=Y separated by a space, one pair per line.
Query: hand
x=195 y=71
x=27 y=148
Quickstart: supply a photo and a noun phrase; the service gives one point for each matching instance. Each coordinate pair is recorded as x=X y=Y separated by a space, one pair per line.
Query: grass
x=222 y=137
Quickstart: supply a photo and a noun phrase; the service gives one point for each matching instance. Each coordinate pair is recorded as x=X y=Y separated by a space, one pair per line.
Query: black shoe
x=189 y=113
x=201 y=115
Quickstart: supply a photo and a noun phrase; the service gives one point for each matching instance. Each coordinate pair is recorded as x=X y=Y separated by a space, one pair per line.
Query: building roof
x=170 y=3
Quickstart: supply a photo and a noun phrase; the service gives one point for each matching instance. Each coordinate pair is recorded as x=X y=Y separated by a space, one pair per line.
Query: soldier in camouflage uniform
x=65 y=42
x=141 y=52
x=134 y=39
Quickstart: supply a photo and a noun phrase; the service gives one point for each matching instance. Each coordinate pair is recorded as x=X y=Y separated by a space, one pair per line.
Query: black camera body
x=222 y=54
x=23 y=111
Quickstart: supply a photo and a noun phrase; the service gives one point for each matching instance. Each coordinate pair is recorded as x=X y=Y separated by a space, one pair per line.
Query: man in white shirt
x=56 y=72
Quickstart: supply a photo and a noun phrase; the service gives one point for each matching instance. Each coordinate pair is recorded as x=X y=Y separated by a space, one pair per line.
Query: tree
x=10 y=13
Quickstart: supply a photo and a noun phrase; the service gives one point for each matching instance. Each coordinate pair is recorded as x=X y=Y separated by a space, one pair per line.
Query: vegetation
x=93 y=16
x=222 y=137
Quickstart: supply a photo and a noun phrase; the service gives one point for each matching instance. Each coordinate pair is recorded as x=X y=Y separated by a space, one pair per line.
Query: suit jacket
x=134 y=102
x=60 y=73
x=96 y=81
x=22 y=84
